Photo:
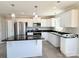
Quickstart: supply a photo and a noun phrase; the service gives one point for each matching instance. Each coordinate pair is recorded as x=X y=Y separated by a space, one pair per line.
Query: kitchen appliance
x=36 y=26
x=20 y=29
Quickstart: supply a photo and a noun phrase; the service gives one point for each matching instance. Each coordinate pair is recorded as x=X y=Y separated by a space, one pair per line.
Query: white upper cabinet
x=46 y=23
x=69 y=18
x=10 y=28
x=55 y=22
x=75 y=18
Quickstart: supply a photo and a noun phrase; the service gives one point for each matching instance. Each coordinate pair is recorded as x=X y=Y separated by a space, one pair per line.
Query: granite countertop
x=47 y=31
x=64 y=36
x=23 y=37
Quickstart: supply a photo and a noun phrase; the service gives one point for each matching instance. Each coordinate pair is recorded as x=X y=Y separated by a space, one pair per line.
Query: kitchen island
x=19 y=47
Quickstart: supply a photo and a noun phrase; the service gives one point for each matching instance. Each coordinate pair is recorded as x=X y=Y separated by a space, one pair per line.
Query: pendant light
x=13 y=14
x=35 y=13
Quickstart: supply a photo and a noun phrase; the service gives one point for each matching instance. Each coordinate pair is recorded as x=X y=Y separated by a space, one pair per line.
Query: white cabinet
x=65 y=19
x=45 y=35
x=10 y=28
x=68 y=46
x=46 y=22
x=69 y=18
x=54 y=39
x=55 y=22
x=30 y=23
x=25 y=20
x=21 y=49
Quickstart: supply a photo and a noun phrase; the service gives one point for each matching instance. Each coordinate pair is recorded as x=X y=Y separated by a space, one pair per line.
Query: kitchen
x=26 y=32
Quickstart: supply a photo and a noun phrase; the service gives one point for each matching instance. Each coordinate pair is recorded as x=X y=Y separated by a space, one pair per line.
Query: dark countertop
x=32 y=37
x=23 y=37
x=47 y=31
x=60 y=35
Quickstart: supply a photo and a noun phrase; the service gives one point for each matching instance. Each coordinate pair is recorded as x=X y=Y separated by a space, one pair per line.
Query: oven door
x=37 y=34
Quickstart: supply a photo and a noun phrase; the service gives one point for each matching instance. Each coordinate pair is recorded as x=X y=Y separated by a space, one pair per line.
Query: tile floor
x=49 y=51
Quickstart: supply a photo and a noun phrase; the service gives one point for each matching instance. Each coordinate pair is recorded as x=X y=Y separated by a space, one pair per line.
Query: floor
x=49 y=51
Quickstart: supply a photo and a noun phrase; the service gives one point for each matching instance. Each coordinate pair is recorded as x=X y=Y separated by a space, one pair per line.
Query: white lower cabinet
x=45 y=35
x=68 y=46
x=54 y=39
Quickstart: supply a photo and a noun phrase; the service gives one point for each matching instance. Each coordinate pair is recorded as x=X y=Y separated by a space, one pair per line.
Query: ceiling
x=26 y=8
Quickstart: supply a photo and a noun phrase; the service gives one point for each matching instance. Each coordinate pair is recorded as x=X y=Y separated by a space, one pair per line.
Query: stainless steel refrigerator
x=20 y=28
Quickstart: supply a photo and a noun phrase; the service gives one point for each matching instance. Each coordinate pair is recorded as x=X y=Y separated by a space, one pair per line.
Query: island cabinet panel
x=26 y=48
x=68 y=46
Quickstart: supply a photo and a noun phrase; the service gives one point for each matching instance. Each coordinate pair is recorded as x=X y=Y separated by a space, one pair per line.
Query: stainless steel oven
x=36 y=26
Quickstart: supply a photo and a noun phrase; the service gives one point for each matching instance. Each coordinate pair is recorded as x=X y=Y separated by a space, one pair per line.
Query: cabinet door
x=55 y=22
x=46 y=23
x=10 y=28
x=69 y=18
x=54 y=39
x=75 y=18
x=30 y=24
x=45 y=35
x=65 y=19
x=28 y=48
x=49 y=37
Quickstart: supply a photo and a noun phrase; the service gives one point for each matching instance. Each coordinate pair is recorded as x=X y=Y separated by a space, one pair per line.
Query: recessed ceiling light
x=12 y=15
x=34 y=13
x=36 y=16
